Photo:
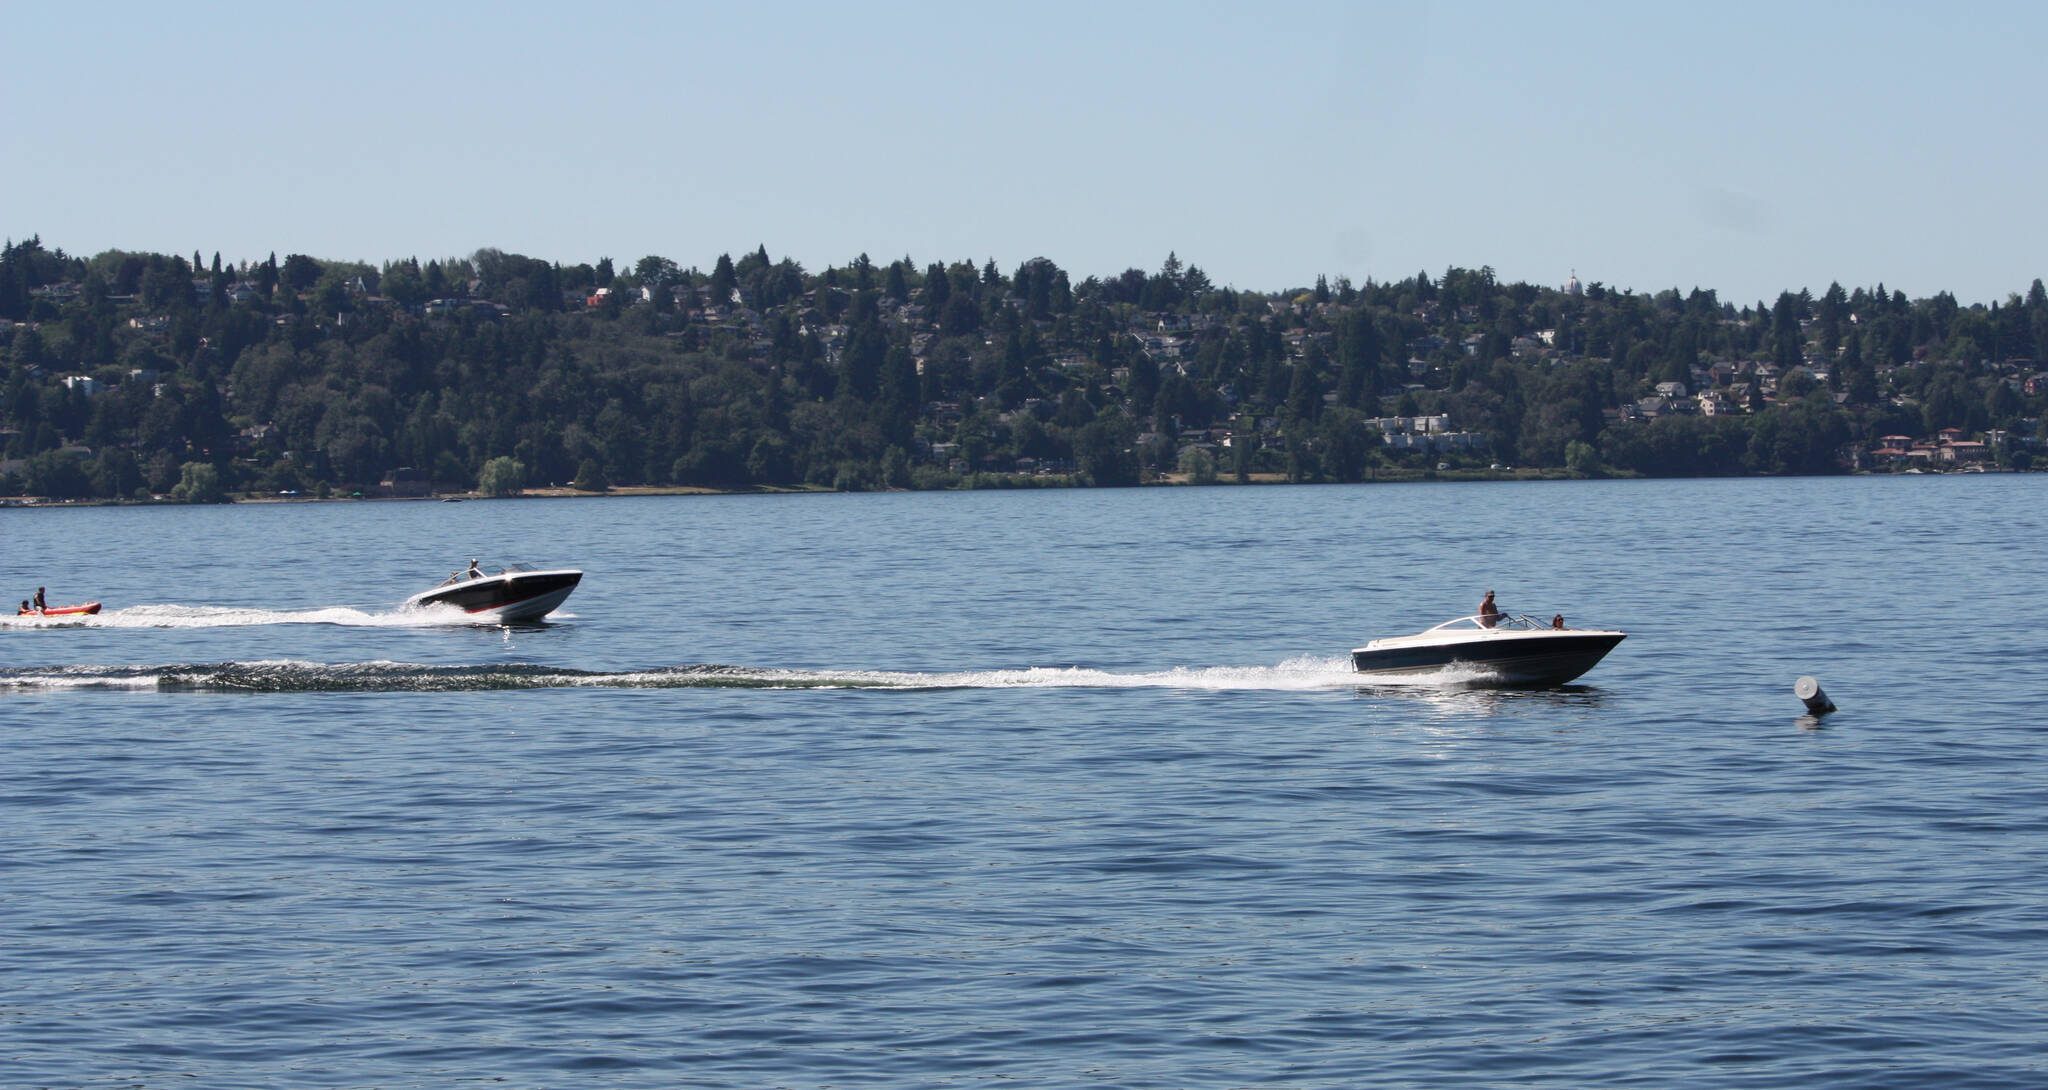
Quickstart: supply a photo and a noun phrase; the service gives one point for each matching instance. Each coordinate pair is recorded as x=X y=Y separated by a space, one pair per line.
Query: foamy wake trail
x=181 y=616
x=279 y=676
x=58 y=678
x=1294 y=674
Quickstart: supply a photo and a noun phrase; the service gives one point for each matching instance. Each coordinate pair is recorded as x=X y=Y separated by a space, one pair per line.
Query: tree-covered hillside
x=132 y=374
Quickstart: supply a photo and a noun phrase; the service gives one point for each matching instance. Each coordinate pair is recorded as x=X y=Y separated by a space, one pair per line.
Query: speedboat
x=1502 y=650
x=59 y=611
x=515 y=593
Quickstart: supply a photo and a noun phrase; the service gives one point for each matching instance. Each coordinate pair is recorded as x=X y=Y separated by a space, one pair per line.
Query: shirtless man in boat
x=40 y=604
x=1489 y=614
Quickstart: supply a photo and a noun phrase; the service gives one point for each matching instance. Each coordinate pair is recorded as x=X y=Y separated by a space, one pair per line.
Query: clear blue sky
x=1748 y=148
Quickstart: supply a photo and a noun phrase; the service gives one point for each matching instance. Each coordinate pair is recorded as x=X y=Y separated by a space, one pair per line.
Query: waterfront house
x=406 y=481
x=1964 y=452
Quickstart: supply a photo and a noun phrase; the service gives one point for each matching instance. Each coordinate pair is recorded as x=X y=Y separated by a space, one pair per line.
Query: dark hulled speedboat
x=1512 y=651
x=516 y=593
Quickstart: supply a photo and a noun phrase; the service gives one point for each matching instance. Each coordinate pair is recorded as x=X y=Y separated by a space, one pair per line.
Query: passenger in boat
x=41 y=605
x=1489 y=614
x=474 y=572
x=1557 y=621
x=24 y=606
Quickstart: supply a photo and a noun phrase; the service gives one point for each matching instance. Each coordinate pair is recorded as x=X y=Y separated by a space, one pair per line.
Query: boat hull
x=60 y=611
x=504 y=599
x=1532 y=661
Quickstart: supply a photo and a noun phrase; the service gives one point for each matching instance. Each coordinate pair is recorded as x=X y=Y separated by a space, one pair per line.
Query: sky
x=1745 y=148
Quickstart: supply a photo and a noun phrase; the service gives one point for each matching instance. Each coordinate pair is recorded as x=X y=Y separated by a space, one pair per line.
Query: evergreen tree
x=590 y=477
x=1857 y=378
x=899 y=395
x=860 y=369
x=2037 y=319
x=1305 y=395
x=1786 y=340
x=1833 y=309
x=723 y=280
x=1358 y=358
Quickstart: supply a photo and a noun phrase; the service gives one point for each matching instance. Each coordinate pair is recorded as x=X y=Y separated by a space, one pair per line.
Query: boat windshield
x=1513 y=621
x=465 y=575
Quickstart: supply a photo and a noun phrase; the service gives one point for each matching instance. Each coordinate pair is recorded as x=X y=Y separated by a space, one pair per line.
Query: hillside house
x=1891 y=450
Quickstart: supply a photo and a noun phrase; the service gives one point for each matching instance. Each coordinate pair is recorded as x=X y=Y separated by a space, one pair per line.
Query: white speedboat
x=513 y=594
x=1504 y=650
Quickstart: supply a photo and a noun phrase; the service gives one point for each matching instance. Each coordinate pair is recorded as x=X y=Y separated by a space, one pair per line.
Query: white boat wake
x=182 y=616
x=1303 y=674
x=1307 y=674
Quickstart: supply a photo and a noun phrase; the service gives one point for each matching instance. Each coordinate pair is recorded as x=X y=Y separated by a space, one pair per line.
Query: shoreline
x=1023 y=484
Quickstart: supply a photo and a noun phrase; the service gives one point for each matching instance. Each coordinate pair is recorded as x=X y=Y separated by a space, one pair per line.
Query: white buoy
x=1808 y=691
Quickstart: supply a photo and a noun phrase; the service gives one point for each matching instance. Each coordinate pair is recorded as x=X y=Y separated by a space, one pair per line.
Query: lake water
x=1034 y=789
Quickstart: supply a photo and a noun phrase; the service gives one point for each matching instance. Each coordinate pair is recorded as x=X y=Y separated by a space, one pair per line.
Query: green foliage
x=1350 y=447
x=299 y=273
x=58 y=474
x=199 y=482
x=590 y=477
x=896 y=468
x=1581 y=460
x=1103 y=452
x=502 y=476
x=308 y=374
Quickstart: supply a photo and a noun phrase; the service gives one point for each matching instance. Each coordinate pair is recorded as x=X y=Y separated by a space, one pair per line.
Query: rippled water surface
x=1031 y=789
